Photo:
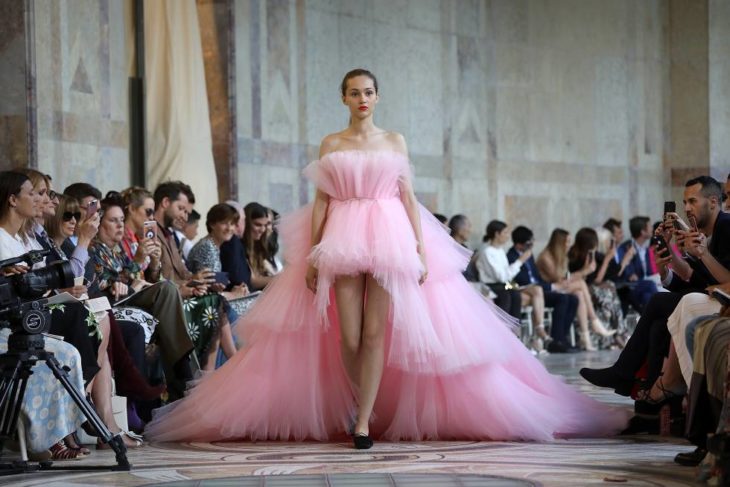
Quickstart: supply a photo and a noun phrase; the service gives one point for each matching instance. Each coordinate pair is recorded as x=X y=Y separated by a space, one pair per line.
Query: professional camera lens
x=34 y=284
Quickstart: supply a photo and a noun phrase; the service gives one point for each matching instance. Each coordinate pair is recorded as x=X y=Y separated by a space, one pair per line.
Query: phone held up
x=661 y=245
x=721 y=296
x=92 y=208
x=150 y=229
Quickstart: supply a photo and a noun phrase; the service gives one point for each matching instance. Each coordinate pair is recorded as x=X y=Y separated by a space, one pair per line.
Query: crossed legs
x=363 y=307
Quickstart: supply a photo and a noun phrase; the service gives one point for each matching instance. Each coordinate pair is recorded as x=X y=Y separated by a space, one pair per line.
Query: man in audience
x=637 y=272
x=233 y=252
x=614 y=226
x=564 y=306
x=460 y=229
x=706 y=263
x=189 y=234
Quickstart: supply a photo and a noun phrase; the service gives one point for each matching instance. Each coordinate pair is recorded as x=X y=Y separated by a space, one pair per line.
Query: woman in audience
x=497 y=273
x=54 y=429
x=257 y=219
x=553 y=266
x=221 y=224
x=600 y=282
x=271 y=244
x=139 y=208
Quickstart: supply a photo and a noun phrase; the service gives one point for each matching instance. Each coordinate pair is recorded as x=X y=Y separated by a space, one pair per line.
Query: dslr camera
x=22 y=307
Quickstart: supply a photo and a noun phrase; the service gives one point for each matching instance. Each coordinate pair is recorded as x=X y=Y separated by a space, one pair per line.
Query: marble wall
x=546 y=113
x=82 y=70
x=719 y=88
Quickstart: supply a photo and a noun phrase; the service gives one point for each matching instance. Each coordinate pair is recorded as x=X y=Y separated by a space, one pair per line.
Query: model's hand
x=311 y=278
x=424 y=272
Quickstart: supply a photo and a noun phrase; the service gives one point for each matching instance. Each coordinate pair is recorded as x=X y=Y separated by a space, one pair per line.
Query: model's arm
x=408 y=197
x=319 y=217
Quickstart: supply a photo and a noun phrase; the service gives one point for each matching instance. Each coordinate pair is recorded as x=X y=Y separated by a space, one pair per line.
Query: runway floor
x=627 y=460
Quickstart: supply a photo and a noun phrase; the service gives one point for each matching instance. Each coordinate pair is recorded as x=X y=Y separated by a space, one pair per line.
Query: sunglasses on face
x=52 y=195
x=67 y=216
x=150 y=212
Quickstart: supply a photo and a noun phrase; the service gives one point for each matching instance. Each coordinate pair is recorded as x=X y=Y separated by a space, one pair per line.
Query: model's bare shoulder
x=397 y=142
x=329 y=144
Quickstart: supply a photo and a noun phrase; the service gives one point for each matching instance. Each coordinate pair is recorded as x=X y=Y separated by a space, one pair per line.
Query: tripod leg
x=114 y=441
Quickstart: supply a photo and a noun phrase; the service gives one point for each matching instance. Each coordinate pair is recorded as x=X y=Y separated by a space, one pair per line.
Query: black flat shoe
x=691 y=458
x=608 y=378
x=362 y=441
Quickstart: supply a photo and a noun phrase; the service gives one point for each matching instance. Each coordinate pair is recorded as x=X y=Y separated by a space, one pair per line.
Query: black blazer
x=719 y=248
x=529 y=267
x=235 y=262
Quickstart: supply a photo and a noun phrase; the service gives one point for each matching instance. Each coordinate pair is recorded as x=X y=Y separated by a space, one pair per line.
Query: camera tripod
x=24 y=351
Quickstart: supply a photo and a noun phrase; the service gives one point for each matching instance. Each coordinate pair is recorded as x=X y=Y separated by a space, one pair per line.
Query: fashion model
x=371 y=328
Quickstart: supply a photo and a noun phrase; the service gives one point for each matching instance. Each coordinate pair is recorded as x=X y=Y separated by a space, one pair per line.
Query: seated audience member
x=600 y=282
x=257 y=219
x=441 y=218
x=233 y=252
x=204 y=313
x=189 y=233
x=497 y=273
x=553 y=266
x=564 y=306
x=707 y=263
x=84 y=193
x=460 y=229
x=270 y=240
x=638 y=268
x=117 y=276
x=617 y=232
x=139 y=216
x=221 y=223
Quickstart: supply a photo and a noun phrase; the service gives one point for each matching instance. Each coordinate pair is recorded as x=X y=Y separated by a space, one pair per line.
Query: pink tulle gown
x=454 y=370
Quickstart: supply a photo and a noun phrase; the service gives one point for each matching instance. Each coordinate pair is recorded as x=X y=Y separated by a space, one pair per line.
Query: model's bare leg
x=350 y=294
x=372 y=351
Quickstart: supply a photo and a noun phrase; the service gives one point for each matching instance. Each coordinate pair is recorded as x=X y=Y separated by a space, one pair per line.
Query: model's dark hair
x=521 y=235
x=456 y=222
x=710 y=186
x=586 y=240
x=637 y=225
x=10 y=184
x=493 y=228
x=81 y=191
x=220 y=213
x=354 y=73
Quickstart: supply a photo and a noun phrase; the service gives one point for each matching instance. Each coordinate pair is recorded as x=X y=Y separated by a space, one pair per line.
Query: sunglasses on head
x=67 y=216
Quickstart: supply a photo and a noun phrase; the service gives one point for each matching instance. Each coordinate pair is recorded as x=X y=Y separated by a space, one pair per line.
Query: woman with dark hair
x=553 y=266
x=271 y=244
x=372 y=299
x=603 y=291
x=254 y=241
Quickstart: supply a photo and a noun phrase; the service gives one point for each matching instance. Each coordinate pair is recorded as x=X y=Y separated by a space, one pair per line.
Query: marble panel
x=424 y=14
x=394 y=12
x=468 y=17
x=510 y=20
x=278 y=106
x=512 y=111
x=719 y=89
x=395 y=88
x=611 y=110
x=530 y=211
x=426 y=104
x=244 y=112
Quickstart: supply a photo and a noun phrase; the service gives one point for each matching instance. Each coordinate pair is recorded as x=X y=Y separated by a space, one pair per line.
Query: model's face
x=112 y=225
x=258 y=227
x=360 y=97
x=27 y=202
x=69 y=220
x=223 y=231
x=139 y=215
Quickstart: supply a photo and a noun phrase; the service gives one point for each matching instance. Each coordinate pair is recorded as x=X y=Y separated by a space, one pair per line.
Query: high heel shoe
x=600 y=329
x=585 y=342
x=362 y=441
x=645 y=404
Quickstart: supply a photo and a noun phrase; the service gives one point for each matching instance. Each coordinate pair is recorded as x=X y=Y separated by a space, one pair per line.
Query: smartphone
x=150 y=229
x=92 y=208
x=222 y=278
x=721 y=296
x=195 y=283
x=670 y=207
x=660 y=243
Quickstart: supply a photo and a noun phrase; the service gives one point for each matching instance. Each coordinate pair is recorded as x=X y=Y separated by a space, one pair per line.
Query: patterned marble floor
x=635 y=460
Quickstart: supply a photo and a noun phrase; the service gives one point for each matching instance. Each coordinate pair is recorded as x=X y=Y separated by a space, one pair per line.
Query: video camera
x=21 y=305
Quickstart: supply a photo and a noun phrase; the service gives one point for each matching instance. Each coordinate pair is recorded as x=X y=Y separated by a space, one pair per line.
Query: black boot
x=608 y=377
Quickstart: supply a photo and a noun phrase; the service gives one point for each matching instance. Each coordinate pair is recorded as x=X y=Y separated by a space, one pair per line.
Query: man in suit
x=564 y=305
x=706 y=262
x=635 y=276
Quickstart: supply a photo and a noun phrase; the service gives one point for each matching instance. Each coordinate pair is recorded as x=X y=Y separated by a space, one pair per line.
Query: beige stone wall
x=719 y=87
x=545 y=113
x=82 y=73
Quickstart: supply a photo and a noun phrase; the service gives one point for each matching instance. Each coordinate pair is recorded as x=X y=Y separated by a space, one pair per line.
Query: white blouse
x=493 y=265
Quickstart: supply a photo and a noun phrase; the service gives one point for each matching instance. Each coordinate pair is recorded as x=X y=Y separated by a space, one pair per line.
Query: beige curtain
x=179 y=144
